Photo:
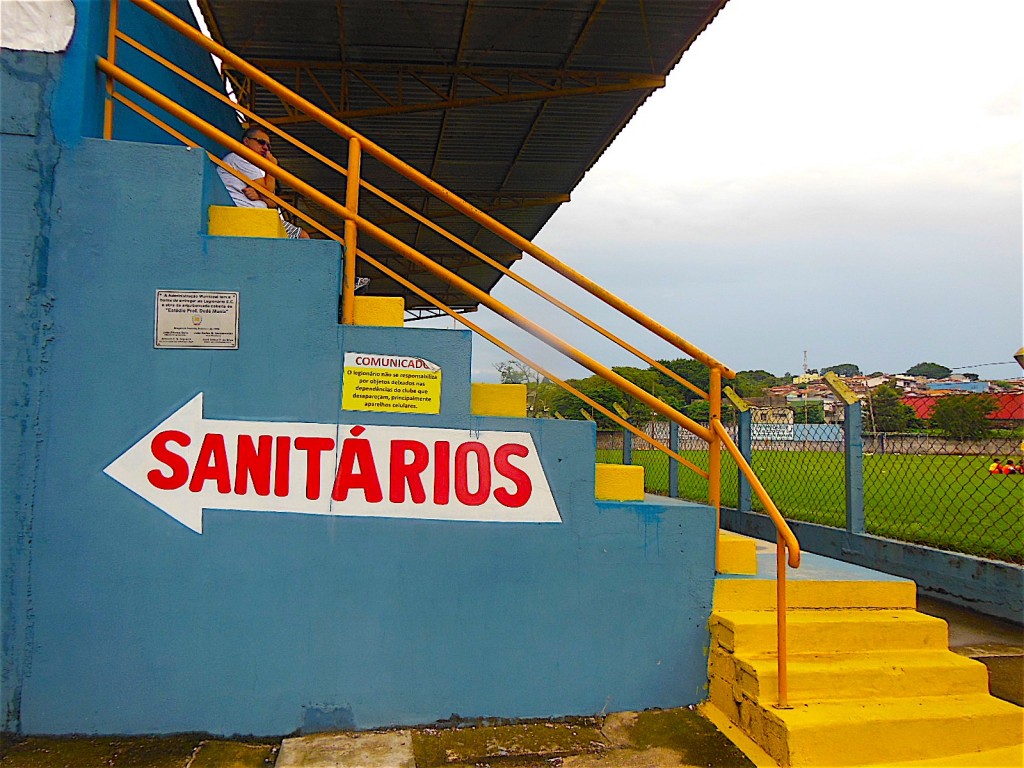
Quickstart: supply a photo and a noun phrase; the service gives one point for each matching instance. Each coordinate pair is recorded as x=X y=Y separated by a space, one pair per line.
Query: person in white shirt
x=251 y=195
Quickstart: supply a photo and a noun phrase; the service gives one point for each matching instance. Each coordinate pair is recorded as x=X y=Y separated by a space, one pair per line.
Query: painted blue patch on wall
x=327 y=717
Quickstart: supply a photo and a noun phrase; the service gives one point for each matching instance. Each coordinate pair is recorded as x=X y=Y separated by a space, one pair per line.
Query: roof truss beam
x=404 y=89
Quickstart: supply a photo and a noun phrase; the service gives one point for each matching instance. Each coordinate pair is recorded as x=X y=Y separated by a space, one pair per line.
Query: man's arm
x=267 y=183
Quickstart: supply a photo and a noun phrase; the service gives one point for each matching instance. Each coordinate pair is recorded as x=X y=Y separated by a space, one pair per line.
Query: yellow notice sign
x=393 y=383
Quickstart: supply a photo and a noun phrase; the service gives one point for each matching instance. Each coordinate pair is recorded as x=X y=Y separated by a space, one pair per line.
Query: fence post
x=627 y=447
x=853 y=445
x=745 y=444
x=854 y=448
x=673 y=465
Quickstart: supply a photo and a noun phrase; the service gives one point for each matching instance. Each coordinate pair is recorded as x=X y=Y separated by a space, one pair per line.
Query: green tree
x=808 y=411
x=883 y=412
x=674 y=393
x=514 y=372
x=607 y=394
x=963 y=417
x=698 y=410
x=756 y=383
x=843 y=369
x=540 y=405
x=929 y=370
x=537 y=387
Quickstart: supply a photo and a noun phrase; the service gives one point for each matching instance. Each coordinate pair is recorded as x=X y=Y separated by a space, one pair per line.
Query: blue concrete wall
x=28 y=155
x=117 y=619
x=271 y=622
x=78 y=102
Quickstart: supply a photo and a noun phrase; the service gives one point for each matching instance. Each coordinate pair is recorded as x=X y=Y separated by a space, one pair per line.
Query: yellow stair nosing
x=378 y=311
x=737 y=554
x=885 y=730
x=868 y=658
x=824 y=631
x=618 y=482
x=840 y=616
x=509 y=400
x=760 y=594
x=953 y=707
x=897 y=674
x=1000 y=757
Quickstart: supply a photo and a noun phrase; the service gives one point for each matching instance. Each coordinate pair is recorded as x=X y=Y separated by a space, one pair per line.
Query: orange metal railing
x=715 y=435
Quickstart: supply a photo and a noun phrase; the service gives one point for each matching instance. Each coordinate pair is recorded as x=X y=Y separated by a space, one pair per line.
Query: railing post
x=627 y=447
x=348 y=283
x=782 y=650
x=673 y=465
x=853 y=444
x=108 y=104
x=715 y=454
x=745 y=441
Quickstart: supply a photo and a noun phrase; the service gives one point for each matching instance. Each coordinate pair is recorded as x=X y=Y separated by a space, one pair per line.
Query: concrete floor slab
x=392 y=749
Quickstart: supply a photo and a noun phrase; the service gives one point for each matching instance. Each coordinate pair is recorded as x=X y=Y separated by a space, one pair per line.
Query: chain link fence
x=802 y=466
x=928 y=490
x=921 y=489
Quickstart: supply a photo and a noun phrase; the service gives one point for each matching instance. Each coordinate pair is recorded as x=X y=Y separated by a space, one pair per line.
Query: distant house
x=959 y=386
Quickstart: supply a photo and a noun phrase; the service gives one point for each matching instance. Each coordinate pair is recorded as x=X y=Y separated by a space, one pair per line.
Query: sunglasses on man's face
x=261 y=142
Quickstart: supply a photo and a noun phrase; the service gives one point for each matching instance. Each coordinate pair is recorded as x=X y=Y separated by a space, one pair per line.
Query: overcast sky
x=823 y=175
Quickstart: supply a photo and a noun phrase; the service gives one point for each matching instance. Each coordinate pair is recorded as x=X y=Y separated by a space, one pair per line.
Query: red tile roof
x=1011 y=405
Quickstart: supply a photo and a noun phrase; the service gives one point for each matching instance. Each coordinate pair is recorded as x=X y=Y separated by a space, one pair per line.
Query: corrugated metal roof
x=453 y=87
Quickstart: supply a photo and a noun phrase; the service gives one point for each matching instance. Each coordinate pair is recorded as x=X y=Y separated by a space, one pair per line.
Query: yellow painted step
x=760 y=594
x=1001 y=757
x=737 y=554
x=847 y=630
x=997 y=757
x=852 y=675
x=618 y=482
x=231 y=221
x=387 y=311
x=884 y=730
x=498 y=400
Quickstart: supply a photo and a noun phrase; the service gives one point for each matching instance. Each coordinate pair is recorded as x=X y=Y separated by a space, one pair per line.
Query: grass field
x=948 y=502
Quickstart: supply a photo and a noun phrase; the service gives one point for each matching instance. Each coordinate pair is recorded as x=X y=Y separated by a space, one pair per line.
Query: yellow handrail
x=784 y=540
x=773 y=512
x=270 y=127
x=404 y=250
x=428 y=184
x=715 y=435
x=657 y=444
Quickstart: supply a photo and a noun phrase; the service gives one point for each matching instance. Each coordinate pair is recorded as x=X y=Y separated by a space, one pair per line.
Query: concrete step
x=740 y=594
x=380 y=311
x=884 y=730
x=839 y=631
x=230 y=221
x=391 y=749
x=736 y=553
x=618 y=482
x=852 y=676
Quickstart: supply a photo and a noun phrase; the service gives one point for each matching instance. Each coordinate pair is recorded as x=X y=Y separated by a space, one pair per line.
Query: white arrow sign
x=189 y=463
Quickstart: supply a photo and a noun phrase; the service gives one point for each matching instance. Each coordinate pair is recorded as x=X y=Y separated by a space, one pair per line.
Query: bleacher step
x=854 y=675
x=813 y=631
x=761 y=594
x=870 y=731
x=737 y=554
